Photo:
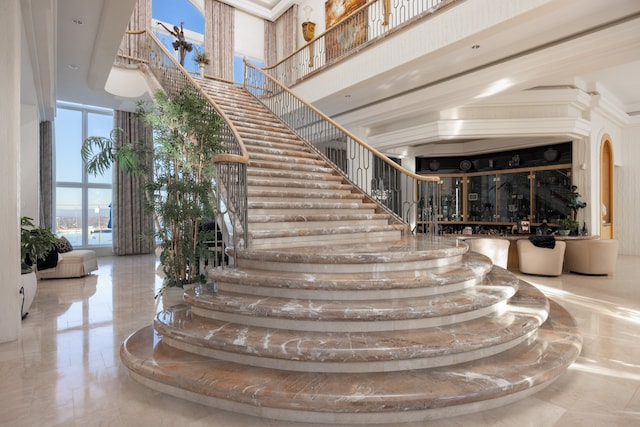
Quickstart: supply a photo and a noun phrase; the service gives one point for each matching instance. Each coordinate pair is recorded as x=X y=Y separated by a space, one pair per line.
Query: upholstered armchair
x=595 y=257
x=539 y=260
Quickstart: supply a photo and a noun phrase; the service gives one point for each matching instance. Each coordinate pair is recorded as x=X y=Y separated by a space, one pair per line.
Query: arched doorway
x=606 y=189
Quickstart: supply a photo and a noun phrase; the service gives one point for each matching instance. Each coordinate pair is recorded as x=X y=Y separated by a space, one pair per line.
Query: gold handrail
x=425 y=178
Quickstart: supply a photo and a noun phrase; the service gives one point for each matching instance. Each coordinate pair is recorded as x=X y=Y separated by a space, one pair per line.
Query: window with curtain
x=82 y=201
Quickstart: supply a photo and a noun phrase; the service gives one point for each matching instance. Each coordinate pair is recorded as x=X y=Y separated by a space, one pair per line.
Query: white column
x=10 y=22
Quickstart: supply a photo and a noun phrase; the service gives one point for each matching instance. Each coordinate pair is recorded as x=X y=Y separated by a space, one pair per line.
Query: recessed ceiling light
x=475 y=46
x=73 y=66
x=347 y=96
x=78 y=21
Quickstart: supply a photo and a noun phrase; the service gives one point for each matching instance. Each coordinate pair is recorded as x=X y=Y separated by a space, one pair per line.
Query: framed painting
x=349 y=31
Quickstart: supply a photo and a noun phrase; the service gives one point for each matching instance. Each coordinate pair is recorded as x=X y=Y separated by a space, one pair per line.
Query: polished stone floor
x=66 y=371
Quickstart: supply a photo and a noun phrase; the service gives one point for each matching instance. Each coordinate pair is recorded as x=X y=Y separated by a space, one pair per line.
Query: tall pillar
x=10 y=22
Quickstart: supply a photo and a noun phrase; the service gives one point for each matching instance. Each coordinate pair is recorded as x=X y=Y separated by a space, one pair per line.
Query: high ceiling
x=85 y=52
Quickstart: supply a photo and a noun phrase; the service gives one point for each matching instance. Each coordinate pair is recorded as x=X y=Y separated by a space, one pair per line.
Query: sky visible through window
x=176 y=11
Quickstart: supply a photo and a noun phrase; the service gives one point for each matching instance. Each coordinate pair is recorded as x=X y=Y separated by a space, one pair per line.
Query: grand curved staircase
x=334 y=313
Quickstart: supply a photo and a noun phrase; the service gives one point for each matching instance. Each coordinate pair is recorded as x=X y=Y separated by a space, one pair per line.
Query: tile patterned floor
x=66 y=371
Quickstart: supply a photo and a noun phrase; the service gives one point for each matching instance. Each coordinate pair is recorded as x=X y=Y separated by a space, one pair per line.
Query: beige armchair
x=595 y=257
x=540 y=261
x=496 y=249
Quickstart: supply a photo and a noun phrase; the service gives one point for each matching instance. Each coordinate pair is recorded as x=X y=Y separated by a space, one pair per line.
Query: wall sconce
x=308 y=32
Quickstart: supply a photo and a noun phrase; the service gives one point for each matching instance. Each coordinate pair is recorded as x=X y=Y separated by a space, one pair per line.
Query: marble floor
x=66 y=371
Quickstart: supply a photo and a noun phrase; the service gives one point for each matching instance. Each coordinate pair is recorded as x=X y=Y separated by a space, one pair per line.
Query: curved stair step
x=404 y=281
x=351 y=315
x=353 y=351
x=358 y=398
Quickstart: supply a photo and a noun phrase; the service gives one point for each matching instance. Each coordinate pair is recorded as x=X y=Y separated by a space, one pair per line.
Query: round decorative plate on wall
x=465 y=165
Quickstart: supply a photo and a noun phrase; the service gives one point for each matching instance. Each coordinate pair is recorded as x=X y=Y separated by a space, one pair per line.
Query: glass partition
x=514 y=197
x=481 y=198
x=451 y=198
x=551 y=190
x=501 y=198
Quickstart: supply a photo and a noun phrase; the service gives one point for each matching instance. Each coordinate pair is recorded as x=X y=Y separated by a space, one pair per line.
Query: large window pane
x=100 y=125
x=69 y=214
x=82 y=201
x=99 y=216
x=68 y=135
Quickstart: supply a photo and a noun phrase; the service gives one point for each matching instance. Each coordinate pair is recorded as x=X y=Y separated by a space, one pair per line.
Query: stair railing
x=374 y=20
x=151 y=56
x=395 y=189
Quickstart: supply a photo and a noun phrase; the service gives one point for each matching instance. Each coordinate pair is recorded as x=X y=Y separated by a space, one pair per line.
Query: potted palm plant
x=201 y=58
x=179 y=184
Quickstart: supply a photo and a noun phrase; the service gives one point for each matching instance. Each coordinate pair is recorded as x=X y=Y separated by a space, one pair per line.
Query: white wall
x=626 y=195
x=29 y=161
x=10 y=49
x=249 y=36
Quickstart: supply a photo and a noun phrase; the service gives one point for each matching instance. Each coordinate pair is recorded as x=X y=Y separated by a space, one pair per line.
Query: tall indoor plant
x=179 y=185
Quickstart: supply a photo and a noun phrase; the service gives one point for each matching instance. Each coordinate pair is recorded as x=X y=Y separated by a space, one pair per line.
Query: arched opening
x=606 y=189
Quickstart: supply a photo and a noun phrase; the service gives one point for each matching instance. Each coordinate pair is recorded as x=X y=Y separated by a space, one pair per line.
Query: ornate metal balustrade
x=371 y=22
x=396 y=189
x=150 y=55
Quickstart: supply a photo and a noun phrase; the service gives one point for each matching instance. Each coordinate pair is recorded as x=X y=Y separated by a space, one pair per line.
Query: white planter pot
x=28 y=289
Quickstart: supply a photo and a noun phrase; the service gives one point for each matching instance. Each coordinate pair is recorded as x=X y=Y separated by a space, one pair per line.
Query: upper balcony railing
x=396 y=189
x=362 y=28
x=146 y=52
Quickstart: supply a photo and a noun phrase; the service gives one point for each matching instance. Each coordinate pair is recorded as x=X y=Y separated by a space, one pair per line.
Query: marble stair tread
x=292 y=204
x=279 y=183
x=264 y=131
x=293 y=174
x=363 y=398
x=295 y=230
x=360 y=286
x=359 y=351
x=308 y=237
x=287 y=157
x=283 y=142
x=352 y=315
x=297 y=151
x=319 y=216
x=275 y=224
x=409 y=248
x=304 y=193
x=274 y=164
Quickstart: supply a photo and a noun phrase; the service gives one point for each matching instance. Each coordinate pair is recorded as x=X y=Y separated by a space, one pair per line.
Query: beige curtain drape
x=288 y=23
x=270 y=43
x=219 y=25
x=290 y=26
x=140 y=20
x=47 y=180
x=132 y=224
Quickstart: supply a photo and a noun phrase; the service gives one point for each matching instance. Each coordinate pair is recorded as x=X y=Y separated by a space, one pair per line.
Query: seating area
x=76 y=263
x=591 y=257
x=542 y=261
x=594 y=257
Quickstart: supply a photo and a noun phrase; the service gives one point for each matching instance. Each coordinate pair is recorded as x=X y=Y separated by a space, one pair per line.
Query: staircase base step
x=358 y=398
